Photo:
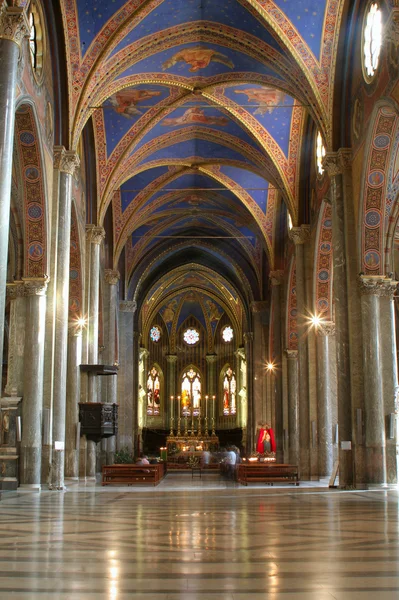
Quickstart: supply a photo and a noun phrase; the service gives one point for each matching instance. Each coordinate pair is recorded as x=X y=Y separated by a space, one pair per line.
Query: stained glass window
x=372 y=40
x=155 y=333
x=191 y=336
x=191 y=392
x=229 y=392
x=153 y=392
x=320 y=153
x=227 y=334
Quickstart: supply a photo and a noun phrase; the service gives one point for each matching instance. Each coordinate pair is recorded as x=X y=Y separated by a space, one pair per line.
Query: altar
x=184 y=452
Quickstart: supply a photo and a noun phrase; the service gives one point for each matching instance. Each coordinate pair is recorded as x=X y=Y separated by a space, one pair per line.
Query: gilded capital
x=36 y=286
x=16 y=290
x=259 y=307
x=248 y=337
x=336 y=163
x=65 y=160
x=326 y=328
x=300 y=235
x=111 y=277
x=211 y=358
x=276 y=277
x=95 y=234
x=377 y=285
x=128 y=306
x=171 y=358
x=14 y=24
x=292 y=354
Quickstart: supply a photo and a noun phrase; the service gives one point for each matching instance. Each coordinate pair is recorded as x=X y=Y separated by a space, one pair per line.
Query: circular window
x=320 y=153
x=227 y=334
x=155 y=333
x=36 y=41
x=191 y=336
x=372 y=40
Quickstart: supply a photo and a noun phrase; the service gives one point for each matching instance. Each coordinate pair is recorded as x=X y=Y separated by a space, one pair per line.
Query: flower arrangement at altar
x=193 y=462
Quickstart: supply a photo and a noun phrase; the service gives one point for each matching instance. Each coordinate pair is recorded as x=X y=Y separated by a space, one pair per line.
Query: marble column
x=372 y=288
x=335 y=164
x=251 y=423
x=16 y=343
x=72 y=401
x=171 y=389
x=112 y=279
x=127 y=378
x=389 y=375
x=13 y=28
x=299 y=236
x=276 y=279
x=65 y=162
x=325 y=391
x=259 y=315
x=293 y=406
x=95 y=236
x=31 y=443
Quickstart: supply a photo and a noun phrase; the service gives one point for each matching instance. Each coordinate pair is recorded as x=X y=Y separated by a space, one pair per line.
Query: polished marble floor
x=200 y=540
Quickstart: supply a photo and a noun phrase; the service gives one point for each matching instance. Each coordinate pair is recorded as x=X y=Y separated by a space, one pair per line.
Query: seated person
x=143 y=461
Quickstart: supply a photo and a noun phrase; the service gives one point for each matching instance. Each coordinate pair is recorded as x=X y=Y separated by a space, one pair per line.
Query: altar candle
x=213 y=405
x=206 y=406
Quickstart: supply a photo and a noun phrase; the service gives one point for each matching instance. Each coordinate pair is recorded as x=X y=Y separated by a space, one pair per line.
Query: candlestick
x=185 y=426
x=206 y=426
x=178 y=427
x=213 y=426
x=171 y=426
x=199 y=424
x=192 y=423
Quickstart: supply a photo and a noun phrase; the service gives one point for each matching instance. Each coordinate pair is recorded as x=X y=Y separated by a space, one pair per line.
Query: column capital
x=35 y=286
x=292 y=354
x=240 y=353
x=128 y=306
x=95 y=234
x=171 y=358
x=249 y=336
x=211 y=358
x=112 y=277
x=336 y=163
x=16 y=290
x=377 y=285
x=144 y=353
x=14 y=24
x=259 y=307
x=65 y=160
x=276 y=277
x=326 y=328
x=300 y=235
x=75 y=328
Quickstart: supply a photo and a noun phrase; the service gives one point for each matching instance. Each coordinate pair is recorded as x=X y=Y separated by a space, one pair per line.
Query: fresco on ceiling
x=92 y=17
x=125 y=107
x=308 y=18
x=131 y=188
x=271 y=107
x=168 y=312
x=194 y=115
x=203 y=115
x=196 y=147
x=207 y=60
x=177 y=12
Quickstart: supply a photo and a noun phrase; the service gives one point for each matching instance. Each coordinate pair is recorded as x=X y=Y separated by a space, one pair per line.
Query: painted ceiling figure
x=195 y=115
x=198 y=57
x=124 y=102
x=267 y=98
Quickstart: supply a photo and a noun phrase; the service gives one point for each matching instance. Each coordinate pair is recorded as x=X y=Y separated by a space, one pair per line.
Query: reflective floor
x=202 y=540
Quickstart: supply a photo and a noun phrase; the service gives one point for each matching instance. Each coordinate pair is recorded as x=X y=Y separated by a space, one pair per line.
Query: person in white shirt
x=231 y=460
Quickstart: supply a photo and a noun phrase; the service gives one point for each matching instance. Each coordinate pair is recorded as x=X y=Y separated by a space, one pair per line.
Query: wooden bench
x=267 y=473
x=133 y=474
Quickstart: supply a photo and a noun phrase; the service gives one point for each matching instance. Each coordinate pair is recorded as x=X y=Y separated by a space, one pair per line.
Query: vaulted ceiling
x=198 y=109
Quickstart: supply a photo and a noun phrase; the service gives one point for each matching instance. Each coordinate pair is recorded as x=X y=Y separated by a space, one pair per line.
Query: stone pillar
x=335 y=164
x=13 y=28
x=72 y=401
x=16 y=344
x=171 y=389
x=276 y=279
x=65 y=162
x=94 y=236
x=325 y=391
x=112 y=279
x=372 y=288
x=31 y=443
x=127 y=378
x=389 y=376
x=300 y=235
x=259 y=313
x=251 y=423
x=293 y=408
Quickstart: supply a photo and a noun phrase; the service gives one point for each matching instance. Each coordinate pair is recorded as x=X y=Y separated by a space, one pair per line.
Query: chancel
x=199 y=263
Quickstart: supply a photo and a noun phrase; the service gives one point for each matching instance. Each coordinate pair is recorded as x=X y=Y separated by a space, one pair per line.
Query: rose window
x=191 y=336
x=155 y=333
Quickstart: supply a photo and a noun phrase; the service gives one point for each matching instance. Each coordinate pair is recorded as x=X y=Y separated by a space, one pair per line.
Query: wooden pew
x=133 y=474
x=267 y=473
